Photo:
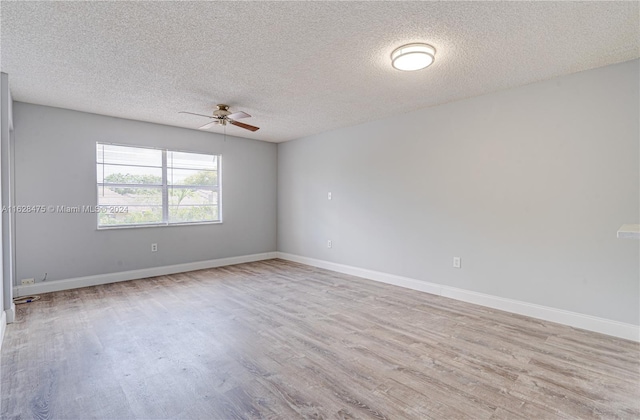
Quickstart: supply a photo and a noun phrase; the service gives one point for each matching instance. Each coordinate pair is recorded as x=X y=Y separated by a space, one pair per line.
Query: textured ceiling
x=298 y=68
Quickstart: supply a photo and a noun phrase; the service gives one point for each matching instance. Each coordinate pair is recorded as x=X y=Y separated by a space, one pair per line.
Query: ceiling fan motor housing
x=222 y=111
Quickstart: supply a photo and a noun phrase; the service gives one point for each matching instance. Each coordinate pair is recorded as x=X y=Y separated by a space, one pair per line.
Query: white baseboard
x=10 y=313
x=3 y=327
x=75 y=283
x=573 y=319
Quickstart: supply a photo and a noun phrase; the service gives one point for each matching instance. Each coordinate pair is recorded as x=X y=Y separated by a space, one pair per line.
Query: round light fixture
x=413 y=57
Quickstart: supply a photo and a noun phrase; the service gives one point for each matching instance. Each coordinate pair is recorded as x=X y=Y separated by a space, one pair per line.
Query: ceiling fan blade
x=209 y=125
x=245 y=126
x=192 y=113
x=238 y=115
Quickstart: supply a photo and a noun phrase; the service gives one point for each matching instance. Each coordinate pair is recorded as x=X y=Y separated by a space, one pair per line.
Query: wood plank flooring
x=280 y=340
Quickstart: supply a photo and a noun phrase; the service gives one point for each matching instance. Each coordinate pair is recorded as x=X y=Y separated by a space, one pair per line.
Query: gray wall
x=7 y=197
x=4 y=132
x=55 y=164
x=528 y=186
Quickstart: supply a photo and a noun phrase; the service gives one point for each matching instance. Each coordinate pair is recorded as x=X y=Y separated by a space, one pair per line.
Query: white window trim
x=165 y=190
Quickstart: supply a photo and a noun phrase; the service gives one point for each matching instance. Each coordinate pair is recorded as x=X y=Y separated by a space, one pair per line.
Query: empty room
x=331 y=209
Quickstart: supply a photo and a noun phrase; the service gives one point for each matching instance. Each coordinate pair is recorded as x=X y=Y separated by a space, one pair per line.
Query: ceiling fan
x=222 y=116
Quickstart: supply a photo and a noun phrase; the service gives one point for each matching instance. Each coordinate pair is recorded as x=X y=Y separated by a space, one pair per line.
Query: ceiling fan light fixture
x=412 y=57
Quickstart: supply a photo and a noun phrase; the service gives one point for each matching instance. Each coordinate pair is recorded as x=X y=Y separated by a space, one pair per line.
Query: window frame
x=164 y=187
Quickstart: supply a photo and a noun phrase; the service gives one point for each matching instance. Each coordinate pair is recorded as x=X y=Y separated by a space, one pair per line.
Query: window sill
x=157 y=225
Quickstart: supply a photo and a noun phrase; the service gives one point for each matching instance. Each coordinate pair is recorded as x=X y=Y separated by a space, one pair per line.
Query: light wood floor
x=275 y=339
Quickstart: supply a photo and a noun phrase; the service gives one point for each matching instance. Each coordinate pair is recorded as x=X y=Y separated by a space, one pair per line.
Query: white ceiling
x=298 y=68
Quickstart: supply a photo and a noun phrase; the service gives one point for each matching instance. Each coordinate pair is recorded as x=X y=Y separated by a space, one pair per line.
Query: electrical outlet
x=329 y=196
x=154 y=247
x=25 y=282
x=457 y=262
x=329 y=243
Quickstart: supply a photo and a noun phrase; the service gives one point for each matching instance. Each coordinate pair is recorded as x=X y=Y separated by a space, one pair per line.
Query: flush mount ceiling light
x=413 y=57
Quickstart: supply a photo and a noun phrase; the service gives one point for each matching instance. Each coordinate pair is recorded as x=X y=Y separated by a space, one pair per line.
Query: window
x=139 y=186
